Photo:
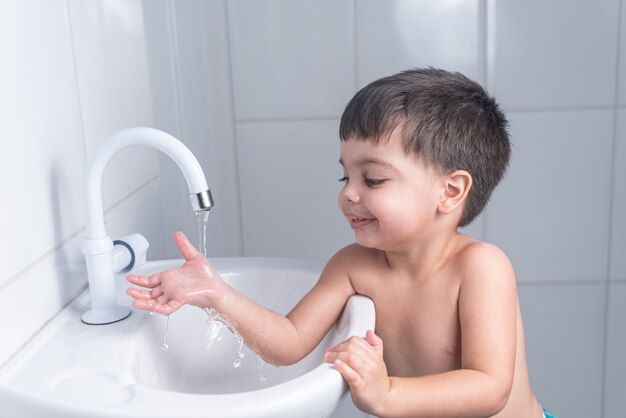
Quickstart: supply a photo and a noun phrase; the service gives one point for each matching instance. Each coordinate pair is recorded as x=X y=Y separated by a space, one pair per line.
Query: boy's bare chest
x=419 y=326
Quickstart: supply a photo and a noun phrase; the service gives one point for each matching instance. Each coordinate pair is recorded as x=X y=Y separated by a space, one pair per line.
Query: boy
x=421 y=152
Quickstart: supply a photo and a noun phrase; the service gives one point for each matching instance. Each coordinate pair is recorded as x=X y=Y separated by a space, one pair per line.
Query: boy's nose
x=350 y=194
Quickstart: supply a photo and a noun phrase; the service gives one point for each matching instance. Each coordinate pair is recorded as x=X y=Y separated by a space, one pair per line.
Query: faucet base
x=109 y=316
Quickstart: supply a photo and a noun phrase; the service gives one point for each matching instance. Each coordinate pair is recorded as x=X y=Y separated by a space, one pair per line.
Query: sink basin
x=181 y=366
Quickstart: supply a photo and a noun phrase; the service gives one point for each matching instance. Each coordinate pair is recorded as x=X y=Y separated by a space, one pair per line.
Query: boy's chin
x=367 y=243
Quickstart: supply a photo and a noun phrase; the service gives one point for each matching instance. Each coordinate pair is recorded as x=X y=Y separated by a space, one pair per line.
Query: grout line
x=69 y=238
x=178 y=87
x=288 y=119
x=22 y=346
x=609 y=260
x=490 y=41
x=234 y=122
x=355 y=34
x=81 y=118
x=482 y=40
x=39 y=259
x=131 y=194
x=173 y=54
x=559 y=108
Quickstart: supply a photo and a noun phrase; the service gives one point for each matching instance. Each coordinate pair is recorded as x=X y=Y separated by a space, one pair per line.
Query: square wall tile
x=43 y=154
x=552 y=54
x=615 y=385
x=550 y=214
x=112 y=68
x=564 y=327
x=291 y=59
x=288 y=174
x=618 y=223
x=396 y=35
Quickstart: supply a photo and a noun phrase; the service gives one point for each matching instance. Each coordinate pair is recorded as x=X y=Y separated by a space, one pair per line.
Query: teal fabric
x=547 y=415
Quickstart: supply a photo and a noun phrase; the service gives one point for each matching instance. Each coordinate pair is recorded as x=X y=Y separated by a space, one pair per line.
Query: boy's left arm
x=481 y=387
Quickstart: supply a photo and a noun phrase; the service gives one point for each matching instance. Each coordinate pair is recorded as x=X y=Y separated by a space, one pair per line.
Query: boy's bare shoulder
x=355 y=257
x=356 y=252
x=478 y=260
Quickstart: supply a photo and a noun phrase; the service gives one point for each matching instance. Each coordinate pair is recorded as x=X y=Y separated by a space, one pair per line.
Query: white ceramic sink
x=120 y=370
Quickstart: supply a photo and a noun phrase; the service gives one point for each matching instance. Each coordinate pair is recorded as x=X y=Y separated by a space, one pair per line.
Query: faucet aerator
x=202 y=202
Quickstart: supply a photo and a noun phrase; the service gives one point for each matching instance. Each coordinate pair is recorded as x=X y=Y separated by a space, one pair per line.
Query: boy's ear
x=456 y=188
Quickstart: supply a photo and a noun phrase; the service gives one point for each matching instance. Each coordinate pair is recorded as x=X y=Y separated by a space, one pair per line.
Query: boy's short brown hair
x=446 y=119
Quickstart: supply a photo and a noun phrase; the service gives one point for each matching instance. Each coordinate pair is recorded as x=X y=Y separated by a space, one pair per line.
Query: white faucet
x=97 y=245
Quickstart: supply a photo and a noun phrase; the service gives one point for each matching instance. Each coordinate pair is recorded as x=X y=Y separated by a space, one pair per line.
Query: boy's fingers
x=348 y=373
x=355 y=345
x=138 y=293
x=145 y=304
x=375 y=341
x=185 y=247
x=353 y=358
x=152 y=305
x=144 y=281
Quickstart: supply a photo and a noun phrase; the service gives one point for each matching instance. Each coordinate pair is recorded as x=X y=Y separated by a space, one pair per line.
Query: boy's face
x=390 y=198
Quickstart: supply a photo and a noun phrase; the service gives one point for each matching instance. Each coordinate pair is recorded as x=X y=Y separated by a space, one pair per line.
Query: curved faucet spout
x=196 y=182
x=97 y=246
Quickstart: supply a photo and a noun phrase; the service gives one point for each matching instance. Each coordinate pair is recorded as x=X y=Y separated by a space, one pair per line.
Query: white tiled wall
x=397 y=35
x=554 y=203
x=618 y=222
x=297 y=185
x=43 y=147
x=614 y=384
x=565 y=346
x=74 y=72
x=552 y=54
x=622 y=59
x=291 y=59
x=255 y=88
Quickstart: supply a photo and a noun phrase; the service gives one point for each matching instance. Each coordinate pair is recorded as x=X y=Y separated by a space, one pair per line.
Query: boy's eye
x=373 y=182
x=344 y=179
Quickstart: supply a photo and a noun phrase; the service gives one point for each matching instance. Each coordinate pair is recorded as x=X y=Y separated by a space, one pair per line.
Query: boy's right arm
x=279 y=339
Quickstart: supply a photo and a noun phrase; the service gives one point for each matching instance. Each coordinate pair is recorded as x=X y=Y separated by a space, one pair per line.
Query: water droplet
x=214 y=316
x=165 y=346
x=260 y=364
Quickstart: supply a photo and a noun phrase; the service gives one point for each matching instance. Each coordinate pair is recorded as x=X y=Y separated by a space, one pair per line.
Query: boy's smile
x=357 y=222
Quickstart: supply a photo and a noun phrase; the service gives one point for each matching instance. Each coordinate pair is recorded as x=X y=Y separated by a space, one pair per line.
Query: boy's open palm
x=193 y=283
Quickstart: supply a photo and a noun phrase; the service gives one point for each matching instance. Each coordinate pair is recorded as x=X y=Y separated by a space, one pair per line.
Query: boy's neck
x=426 y=256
